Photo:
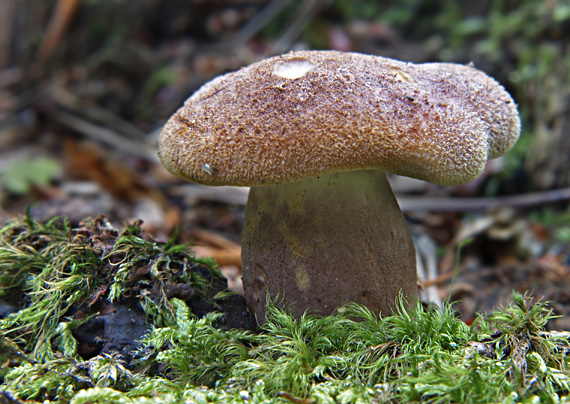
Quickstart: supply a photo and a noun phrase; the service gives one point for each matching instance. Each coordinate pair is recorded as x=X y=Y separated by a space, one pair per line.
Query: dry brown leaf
x=223 y=256
x=88 y=160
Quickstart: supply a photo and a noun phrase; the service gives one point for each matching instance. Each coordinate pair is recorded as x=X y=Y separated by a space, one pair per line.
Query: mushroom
x=312 y=133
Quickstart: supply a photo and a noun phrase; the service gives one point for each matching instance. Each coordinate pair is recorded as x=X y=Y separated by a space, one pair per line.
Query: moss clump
x=186 y=354
x=70 y=290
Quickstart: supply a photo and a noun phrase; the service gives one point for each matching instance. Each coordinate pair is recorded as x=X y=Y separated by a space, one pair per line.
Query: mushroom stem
x=321 y=242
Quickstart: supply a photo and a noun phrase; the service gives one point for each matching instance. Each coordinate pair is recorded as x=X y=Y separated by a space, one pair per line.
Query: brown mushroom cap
x=308 y=113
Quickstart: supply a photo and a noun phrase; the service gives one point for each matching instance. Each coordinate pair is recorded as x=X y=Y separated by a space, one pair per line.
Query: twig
x=230 y=195
x=259 y=21
x=304 y=14
x=7 y=23
x=426 y=262
x=440 y=279
x=71 y=102
x=105 y=135
x=424 y=204
x=61 y=18
x=214 y=240
x=238 y=196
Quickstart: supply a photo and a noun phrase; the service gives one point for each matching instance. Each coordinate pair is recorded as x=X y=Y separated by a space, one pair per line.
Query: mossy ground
x=57 y=282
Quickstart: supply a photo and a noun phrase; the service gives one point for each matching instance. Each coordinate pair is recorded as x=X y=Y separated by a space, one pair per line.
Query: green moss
x=56 y=277
x=354 y=356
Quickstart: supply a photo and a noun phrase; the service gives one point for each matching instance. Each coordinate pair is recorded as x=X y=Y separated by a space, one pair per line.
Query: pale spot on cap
x=311 y=113
x=293 y=69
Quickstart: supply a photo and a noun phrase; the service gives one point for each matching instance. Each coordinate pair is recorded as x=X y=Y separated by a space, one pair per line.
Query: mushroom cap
x=309 y=113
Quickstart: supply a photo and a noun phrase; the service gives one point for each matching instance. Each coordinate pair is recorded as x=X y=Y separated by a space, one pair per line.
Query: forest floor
x=81 y=119
x=83 y=97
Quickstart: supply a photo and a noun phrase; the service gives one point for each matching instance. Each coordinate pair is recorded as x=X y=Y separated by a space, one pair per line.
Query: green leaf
x=20 y=175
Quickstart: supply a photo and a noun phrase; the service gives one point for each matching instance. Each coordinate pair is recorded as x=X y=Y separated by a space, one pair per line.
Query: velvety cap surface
x=308 y=113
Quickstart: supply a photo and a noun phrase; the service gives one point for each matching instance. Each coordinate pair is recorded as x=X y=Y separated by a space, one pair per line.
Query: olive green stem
x=322 y=242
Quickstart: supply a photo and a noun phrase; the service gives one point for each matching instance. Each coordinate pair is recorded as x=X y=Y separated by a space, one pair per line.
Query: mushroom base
x=319 y=243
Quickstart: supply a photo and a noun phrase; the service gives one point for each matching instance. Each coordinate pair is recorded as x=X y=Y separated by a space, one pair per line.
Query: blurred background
x=86 y=85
